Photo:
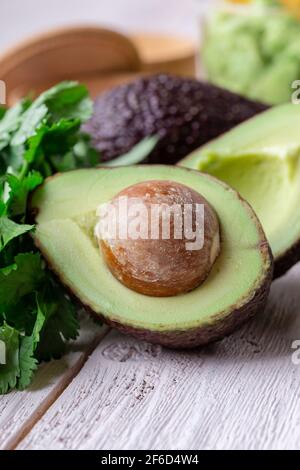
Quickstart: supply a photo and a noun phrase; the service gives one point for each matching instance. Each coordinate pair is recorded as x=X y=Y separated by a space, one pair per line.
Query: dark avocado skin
x=184 y=113
x=287 y=260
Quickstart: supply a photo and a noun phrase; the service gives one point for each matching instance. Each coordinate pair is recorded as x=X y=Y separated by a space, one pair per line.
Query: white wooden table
x=113 y=392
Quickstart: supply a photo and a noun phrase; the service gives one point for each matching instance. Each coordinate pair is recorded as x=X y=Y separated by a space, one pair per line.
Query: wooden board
x=242 y=393
x=107 y=59
x=168 y=54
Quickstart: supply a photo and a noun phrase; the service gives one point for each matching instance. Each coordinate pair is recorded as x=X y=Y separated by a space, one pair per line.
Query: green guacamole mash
x=254 y=51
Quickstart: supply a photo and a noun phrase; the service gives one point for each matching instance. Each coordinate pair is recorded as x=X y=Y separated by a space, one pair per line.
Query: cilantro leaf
x=66 y=163
x=86 y=155
x=28 y=361
x=21 y=314
x=61 y=137
x=136 y=155
x=20 y=281
x=34 y=144
x=30 y=121
x=10 y=370
x=11 y=121
x=2 y=112
x=2 y=208
x=82 y=155
x=36 y=139
x=51 y=321
x=10 y=230
x=67 y=100
x=18 y=359
x=19 y=190
x=8 y=269
x=61 y=323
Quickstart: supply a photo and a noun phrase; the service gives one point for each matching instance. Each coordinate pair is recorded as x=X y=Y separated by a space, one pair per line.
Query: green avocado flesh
x=66 y=215
x=261 y=160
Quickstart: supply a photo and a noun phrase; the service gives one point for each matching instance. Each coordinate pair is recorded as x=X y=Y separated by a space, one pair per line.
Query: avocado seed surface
x=166 y=238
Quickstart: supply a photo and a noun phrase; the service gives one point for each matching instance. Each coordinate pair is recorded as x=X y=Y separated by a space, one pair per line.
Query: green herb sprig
x=37 y=139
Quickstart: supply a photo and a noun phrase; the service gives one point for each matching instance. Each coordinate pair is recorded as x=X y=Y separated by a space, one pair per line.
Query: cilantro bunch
x=37 y=139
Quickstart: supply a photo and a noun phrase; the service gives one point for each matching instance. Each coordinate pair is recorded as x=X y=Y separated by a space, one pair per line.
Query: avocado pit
x=166 y=242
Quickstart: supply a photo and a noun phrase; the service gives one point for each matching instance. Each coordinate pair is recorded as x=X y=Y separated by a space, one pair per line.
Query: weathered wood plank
x=19 y=411
x=240 y=393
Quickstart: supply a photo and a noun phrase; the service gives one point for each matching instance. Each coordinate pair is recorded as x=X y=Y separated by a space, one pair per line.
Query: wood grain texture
x=242 y=393
x=19 y=411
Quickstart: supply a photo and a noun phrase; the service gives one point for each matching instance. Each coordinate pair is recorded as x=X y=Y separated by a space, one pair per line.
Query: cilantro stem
x=24 y=170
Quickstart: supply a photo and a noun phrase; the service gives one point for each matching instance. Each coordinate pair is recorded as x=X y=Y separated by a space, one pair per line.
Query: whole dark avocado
x=184 y=113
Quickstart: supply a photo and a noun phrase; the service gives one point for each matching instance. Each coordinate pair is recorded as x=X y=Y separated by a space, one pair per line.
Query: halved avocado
x=235 y=290
x=261 y=160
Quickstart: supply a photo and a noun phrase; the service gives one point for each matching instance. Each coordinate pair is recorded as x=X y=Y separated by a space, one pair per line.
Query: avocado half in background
x=235 y=287
x=261 y=160
x=183 y=113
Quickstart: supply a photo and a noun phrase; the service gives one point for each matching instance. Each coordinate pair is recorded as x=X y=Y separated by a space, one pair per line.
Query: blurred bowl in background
x=98 y=57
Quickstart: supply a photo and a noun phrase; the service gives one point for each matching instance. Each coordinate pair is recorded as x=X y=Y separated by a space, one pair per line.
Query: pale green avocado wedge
x=261 y=160
x=235 y=290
